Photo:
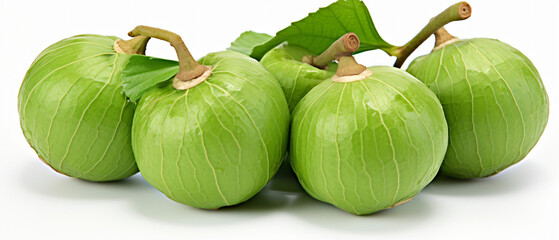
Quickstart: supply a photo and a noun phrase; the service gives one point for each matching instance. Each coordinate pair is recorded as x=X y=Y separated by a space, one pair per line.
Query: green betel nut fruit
x=368 y=139
x=494 y=100
x=72 y=110
x=216 y=138
x=295 y=77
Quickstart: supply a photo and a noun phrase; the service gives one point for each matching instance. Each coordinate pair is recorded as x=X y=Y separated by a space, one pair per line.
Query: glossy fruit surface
x=72 y=110
x=494 y=101
x=215 y=144
x=367 y=145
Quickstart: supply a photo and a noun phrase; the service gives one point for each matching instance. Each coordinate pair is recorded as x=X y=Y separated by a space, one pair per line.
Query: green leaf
x=141 y=73
x=320 y=29
x=247 y=41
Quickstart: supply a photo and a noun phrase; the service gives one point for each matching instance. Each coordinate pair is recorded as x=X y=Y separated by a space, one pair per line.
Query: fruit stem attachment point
x=344 y=46
x=347 y=66
x=136 y=45
x=350 y=71
x=443 y=38
x=456 y=12
x=189 y=68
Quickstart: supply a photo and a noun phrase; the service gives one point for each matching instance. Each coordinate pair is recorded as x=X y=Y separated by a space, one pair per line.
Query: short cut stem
x=456 y=12
x=136 y=45
x=443 y=38
x=344 y=46
x=189 y=68
x=347 y=66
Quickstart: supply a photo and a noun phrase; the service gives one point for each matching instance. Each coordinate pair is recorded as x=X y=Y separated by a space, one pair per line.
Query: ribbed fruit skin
x=216 y=144
x=364 y=146
x=72 y=110
x=295 y=77
x=494 y=100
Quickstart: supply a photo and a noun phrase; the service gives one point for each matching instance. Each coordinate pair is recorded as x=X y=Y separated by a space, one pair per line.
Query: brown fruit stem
x=456 y=12
x=136 y=45
x=344 y=46
x=190 y=72
x=443 y=38
x=347 y=66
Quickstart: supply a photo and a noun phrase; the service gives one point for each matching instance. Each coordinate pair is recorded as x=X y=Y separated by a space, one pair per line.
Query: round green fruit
x=72 y=111
x=217 y=143
x=295 y=77
x=368 y=142
x=494 y=100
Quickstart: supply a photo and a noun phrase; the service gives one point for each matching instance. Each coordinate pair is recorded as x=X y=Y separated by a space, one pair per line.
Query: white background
x=519 y=203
